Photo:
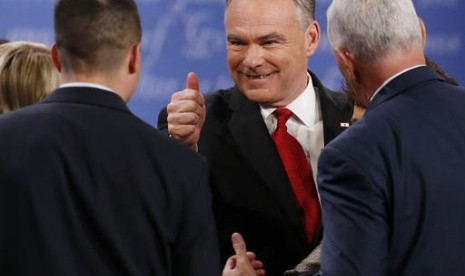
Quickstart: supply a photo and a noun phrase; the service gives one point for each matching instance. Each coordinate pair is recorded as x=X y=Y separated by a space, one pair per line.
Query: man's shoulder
x=328 y=96
x=333 y=97
x=28 y=116
x=221 y=95
x=225 y=101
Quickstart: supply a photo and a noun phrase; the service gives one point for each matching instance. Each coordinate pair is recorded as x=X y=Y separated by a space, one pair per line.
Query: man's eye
x=235 y=43
x=270 y=42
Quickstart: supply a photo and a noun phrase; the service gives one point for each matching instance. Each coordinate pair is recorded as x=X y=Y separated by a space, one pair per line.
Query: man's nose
x=253 y=56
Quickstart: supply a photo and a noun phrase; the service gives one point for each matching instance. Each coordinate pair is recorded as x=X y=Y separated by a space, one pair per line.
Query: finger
x=260 y=272
x=184 y=107
x=251 y=256
x=192 y=81
x=188 y=118
x=181 y=131
x=239 y=246
x=257 y=264
x=188 y=95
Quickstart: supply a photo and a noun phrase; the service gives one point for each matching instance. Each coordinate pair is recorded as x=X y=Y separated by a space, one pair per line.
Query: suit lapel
x=336 y=112
x=255 y=143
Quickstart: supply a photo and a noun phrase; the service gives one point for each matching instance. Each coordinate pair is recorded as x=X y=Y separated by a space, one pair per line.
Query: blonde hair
x=27 y=74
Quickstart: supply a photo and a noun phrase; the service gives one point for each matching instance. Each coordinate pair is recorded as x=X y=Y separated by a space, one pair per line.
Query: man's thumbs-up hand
x=186 y=112
x=243 y=263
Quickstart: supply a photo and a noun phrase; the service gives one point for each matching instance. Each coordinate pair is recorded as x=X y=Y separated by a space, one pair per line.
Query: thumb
x=239 y=246
x=192 y=81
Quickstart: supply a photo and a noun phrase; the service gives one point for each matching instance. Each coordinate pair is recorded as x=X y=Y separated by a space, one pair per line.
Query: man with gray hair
x=257 y=190
x=392 y=185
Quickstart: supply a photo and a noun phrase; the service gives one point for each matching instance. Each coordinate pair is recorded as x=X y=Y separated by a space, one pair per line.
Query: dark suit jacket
x=392 y=186
x=251 y=191
x=87 y=188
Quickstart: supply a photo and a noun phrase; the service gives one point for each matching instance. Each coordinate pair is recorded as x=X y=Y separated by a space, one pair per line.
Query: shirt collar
x=303 y=106
x=86 y=84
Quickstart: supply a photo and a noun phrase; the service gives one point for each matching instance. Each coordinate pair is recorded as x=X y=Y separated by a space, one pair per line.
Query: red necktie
x=299 y=173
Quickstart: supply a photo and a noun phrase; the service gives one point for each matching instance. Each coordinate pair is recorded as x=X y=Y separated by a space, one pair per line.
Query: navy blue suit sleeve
x=356 y=233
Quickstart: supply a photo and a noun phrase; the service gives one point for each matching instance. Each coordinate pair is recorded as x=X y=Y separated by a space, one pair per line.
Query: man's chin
x=258 y=95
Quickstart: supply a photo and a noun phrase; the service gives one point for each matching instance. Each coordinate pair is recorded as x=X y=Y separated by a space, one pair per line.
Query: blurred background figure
x=27 y=74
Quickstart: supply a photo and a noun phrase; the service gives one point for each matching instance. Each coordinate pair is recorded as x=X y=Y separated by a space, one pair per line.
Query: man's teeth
x=261 y=77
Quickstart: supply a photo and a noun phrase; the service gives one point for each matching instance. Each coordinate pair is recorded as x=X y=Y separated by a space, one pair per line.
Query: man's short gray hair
x=373 y=29
x=305 y=9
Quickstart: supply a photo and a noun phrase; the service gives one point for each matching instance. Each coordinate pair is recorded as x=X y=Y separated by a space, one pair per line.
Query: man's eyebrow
x=233 y=37
x=270 y=36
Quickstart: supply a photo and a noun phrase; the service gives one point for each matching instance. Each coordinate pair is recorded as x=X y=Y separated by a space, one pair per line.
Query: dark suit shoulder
x=222 y=103
x=332 y=97
x=220 y=97
x=338 y=98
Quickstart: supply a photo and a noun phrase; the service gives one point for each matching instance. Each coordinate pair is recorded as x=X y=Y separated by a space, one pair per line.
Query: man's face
x=267 y=50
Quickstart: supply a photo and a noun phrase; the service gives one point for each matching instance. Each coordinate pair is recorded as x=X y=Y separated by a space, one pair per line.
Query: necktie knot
x=282 y=114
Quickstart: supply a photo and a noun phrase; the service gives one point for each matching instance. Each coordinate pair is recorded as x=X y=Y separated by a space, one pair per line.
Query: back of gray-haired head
x=305 y=9
x=373 y=29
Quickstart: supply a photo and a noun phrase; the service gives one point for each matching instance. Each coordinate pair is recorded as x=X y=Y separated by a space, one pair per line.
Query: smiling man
x=254 y=191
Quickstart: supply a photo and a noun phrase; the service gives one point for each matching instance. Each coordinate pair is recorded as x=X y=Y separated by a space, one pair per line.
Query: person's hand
x=243 y=263
x=186 y=112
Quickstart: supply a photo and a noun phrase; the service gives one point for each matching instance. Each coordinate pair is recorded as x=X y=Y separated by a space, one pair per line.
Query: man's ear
x=423 y=31
x=55 y=57
x=312 y=36
x=135 y=59
x=346 y=63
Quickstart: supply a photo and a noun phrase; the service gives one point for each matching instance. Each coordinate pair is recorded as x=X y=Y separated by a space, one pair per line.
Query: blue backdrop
x=188 y=35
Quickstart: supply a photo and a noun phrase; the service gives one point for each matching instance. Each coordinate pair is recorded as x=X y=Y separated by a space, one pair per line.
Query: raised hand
x=186 y=112
x=243 y=263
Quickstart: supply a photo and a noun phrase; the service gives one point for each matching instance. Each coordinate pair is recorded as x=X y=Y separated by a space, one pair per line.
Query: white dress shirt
x=305 y=125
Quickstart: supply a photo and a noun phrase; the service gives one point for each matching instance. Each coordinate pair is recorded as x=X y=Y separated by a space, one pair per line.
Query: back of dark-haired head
x=95 y=34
